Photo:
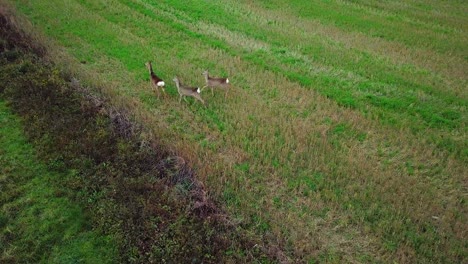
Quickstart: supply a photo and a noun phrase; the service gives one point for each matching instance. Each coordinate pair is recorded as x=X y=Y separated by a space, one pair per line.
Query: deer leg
x=158 y=93
x=199 y=99
x=155 y=90
x=152 y=88
x=180 y=99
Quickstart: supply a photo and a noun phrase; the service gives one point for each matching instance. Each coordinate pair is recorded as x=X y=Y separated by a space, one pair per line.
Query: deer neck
x=150 y=68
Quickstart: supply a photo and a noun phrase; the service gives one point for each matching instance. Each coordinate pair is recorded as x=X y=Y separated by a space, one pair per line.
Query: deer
x=156 y=82
x=213 y=82
x=187 y=91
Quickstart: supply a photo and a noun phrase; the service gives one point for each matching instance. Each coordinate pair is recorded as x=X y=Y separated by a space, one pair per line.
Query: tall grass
x=344 y=137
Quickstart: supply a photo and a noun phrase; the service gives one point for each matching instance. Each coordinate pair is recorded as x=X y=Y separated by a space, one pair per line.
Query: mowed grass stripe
x=357 y=19
x=254 y=91
x=450 y=99
x=273 y=100
x=446 y=16
x=287 y=37
x=408 y=16
x=395 y=104
x=327 y=57
x=305 y=37
x=448 y=69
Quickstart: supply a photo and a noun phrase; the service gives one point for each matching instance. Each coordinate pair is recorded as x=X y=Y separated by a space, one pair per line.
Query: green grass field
x=343 y=138
x=37 y=220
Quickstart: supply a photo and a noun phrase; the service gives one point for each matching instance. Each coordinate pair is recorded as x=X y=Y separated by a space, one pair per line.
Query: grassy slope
x=37 y=220
x=345 y=134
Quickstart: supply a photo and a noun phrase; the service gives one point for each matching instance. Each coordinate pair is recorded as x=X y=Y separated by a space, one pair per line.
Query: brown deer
x=188 y=91
x=213 y=82
x=156 y=82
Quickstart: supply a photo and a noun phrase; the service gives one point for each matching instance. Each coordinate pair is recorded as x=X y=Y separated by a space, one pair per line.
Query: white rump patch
x=198 y=90
x=161 y=83
x=227 y=80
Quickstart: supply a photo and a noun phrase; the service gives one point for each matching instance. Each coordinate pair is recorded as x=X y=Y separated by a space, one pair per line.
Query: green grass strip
x=38 y=223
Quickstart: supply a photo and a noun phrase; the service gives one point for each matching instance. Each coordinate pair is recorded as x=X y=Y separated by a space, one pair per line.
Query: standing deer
x=214 y=82
x=188 y=91
x=156 y=82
